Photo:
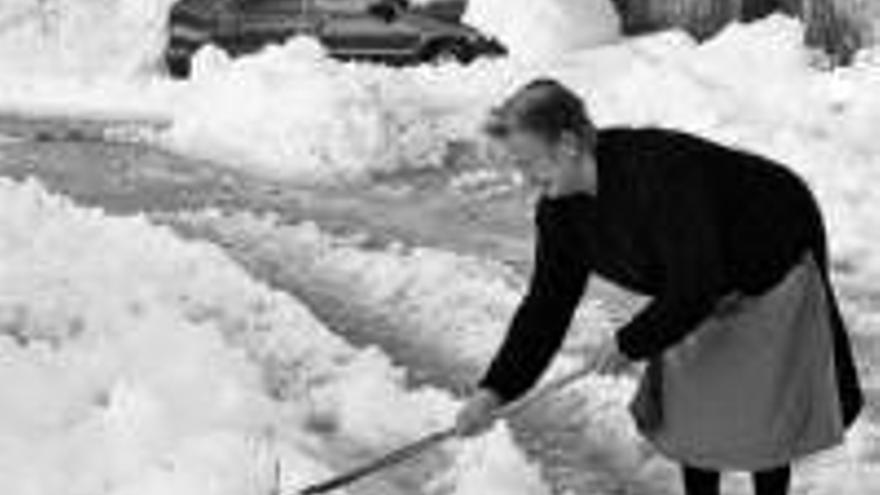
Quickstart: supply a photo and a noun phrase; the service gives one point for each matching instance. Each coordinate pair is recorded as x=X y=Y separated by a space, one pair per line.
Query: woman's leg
x=772 y=481
x=699 y=481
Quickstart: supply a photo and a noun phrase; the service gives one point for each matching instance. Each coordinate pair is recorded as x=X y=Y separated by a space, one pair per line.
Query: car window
x=343 y=6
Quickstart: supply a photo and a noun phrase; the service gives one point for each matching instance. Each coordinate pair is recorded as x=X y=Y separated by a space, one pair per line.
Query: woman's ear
x=569 y=146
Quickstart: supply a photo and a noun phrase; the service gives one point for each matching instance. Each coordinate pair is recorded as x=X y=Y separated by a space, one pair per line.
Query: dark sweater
x=676 y=217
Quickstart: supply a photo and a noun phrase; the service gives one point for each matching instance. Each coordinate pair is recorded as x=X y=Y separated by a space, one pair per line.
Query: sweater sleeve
x=541 y=321
x=686 y=233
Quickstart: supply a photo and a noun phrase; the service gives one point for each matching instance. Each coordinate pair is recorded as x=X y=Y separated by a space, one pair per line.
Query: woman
x=749 y=365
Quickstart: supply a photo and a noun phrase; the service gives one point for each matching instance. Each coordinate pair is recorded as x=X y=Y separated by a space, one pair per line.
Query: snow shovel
x=413 y=449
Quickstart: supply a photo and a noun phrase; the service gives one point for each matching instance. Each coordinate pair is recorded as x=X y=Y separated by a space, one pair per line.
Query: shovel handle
x=427 y=442
x=390 y=459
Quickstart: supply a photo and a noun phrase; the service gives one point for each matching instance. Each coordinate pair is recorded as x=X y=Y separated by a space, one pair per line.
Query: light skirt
x=753 y=388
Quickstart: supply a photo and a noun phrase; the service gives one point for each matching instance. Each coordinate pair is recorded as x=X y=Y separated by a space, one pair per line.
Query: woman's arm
x=541 y=321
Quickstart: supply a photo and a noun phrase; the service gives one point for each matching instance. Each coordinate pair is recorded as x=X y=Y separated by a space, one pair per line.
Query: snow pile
x=134 y=362
x=303 y=115
x=291 y=112
x=59 y=37
x=544 y=30
x=404 y=287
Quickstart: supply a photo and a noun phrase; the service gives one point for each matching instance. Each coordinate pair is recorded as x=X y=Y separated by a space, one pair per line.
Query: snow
x=307 y=118
x=135 y=362
x=58 y=37
x=396 y=284
x=347 y=119
x=298 y=101
x=539 y=31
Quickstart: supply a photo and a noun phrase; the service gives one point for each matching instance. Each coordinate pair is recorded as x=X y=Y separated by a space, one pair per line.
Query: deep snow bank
x=293 y=113
x=134 y=362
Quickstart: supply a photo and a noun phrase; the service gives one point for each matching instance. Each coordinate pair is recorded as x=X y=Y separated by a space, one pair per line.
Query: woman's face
x=532 y=155
x=530 y=152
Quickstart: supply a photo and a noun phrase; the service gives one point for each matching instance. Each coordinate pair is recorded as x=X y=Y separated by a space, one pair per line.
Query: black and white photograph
x=439 y=247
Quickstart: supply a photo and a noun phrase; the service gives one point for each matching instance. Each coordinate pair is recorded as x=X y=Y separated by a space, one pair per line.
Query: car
x=391 y=32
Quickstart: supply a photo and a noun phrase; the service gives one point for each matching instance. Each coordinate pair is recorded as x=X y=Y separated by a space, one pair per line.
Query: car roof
x=347 y=15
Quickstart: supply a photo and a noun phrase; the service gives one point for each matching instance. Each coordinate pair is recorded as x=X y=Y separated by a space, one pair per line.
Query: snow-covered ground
x=93 y=302
x=135 y=362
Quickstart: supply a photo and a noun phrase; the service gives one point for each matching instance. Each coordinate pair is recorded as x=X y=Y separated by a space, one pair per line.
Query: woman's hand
x=608 y=359
x=478 y=414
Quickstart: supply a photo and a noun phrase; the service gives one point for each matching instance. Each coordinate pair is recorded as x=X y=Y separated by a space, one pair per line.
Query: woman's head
x=542 y=125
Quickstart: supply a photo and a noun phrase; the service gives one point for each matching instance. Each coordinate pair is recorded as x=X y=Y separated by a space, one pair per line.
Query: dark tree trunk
x=836 y=26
